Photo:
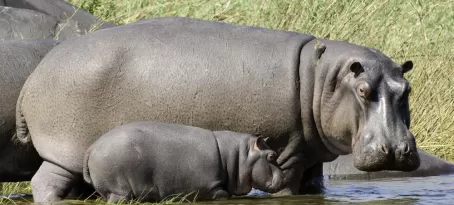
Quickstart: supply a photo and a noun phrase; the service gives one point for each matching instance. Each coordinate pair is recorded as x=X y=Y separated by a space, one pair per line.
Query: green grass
x=24 y=187
x=13 y=188
x=418 y=30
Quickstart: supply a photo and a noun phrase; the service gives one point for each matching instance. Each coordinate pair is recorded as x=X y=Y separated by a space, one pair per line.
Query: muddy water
x=424 y=190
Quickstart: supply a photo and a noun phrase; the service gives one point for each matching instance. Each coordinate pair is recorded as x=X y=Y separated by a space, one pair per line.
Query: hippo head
x=265 y=173
x=365 y=108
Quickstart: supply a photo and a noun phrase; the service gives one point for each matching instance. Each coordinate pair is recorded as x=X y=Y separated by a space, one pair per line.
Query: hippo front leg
x=52 y=183
x=293 y=178
x=291 y=160
x=312 y=180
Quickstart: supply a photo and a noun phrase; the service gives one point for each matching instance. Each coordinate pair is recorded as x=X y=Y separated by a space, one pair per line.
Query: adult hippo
x=343 y=168
x=315 y=99
x=65 y=13
x=17 y=60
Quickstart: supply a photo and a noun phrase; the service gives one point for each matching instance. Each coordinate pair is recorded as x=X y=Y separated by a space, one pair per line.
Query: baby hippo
x=151 y=161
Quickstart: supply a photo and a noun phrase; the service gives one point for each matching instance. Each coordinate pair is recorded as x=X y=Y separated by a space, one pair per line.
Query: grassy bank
x=24 y=187
x=419 y=30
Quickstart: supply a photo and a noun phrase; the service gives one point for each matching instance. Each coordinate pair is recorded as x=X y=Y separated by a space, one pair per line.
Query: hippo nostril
x=384 y=148
x=405 y=148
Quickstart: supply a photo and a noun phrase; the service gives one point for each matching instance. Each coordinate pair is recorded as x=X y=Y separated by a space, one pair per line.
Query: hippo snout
x=376 y=156
x=407 y=157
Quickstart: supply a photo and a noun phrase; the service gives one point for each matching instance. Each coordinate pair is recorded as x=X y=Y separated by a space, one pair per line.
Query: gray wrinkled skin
x=314 y=99
x=343 y=168
x=66 y=14
x=18 y=58
x=151 y=161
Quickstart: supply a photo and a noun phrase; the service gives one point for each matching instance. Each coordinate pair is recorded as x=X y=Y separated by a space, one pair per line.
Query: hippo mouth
x=379 y=157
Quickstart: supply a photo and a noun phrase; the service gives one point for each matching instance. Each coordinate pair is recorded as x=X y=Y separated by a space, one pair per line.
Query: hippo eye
x=363 y=90
x=271 y=157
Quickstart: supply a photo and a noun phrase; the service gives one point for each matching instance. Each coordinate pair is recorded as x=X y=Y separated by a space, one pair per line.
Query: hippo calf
x=151 y=161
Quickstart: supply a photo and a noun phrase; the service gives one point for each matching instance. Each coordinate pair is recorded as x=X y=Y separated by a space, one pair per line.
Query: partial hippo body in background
x=151 y=161
x=40 y=19
x=17 y=60
x=27 y=20
x=64 y=12
x=343 y=168
x=315 y=99
x=28 y=24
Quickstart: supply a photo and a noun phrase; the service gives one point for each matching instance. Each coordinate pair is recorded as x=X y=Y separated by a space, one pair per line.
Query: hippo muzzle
x=372 y=153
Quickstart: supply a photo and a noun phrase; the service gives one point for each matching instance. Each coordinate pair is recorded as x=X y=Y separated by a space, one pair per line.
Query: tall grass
x=418 y=30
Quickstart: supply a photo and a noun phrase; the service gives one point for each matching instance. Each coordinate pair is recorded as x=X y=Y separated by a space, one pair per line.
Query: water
x=423 y=190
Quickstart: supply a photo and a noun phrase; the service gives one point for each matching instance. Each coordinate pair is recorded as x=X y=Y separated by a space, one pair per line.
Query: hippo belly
x=174 y=70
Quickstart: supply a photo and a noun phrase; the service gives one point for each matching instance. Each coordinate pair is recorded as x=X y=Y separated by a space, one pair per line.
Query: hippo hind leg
x=52 y=183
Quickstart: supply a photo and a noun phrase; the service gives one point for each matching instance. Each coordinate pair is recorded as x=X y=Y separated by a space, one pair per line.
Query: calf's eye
x=271 y=157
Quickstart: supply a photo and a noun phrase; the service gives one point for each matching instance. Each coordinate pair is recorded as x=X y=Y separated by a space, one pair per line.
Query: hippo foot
x=51 y=183
x=220 y=195
x=115 y=198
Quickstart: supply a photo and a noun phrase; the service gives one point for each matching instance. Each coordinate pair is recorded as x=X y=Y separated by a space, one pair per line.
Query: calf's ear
x=260 y=143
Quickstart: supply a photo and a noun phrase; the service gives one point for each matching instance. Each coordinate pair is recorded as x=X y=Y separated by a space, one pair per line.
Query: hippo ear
x=260 y=143
x=407 y=66
x=356 y=68
x=319 y=49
